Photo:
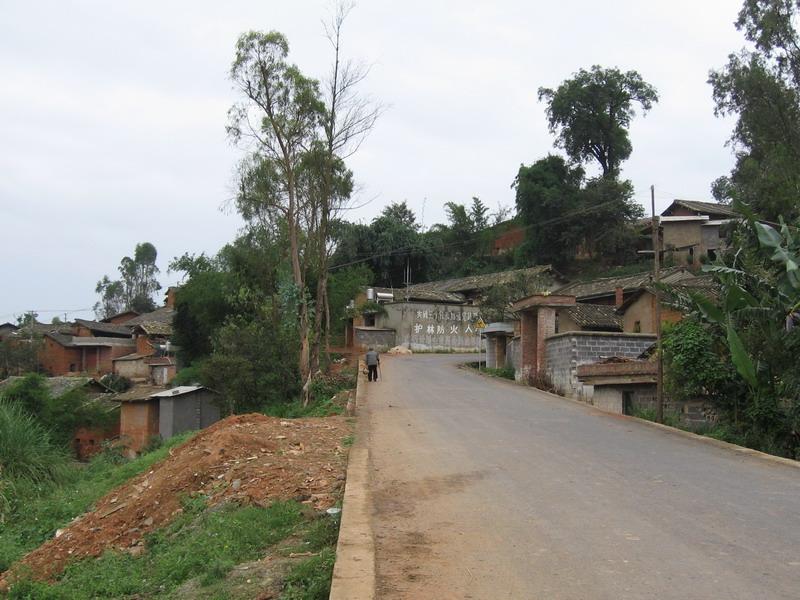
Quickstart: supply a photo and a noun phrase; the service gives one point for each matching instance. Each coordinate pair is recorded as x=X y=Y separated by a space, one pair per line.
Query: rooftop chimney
x=619 y=297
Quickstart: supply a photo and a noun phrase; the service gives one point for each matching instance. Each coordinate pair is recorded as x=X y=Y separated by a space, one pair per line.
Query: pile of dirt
x=250 y=459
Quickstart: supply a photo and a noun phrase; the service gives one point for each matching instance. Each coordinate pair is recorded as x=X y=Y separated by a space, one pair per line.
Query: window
x=369 y=320
x=637 y=327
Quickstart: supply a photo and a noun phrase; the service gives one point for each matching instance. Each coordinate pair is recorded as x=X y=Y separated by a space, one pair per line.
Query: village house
x=151 y=360
x=692 y=231
x=438 y=315
x=62 y=354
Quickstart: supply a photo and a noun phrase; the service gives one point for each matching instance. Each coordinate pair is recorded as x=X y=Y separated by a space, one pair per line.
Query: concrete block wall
x=381 y=340
x=565 y=351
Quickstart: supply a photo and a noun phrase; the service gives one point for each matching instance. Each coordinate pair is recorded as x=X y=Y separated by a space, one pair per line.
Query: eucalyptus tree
x=278 y=120
x=349 y=117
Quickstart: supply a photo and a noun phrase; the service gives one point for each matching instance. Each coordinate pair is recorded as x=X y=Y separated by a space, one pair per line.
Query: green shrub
x=199 y=543
x=27 y=450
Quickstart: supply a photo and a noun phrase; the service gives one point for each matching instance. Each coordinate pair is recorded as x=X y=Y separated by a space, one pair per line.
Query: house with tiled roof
x=692 y=230
x=151 y=332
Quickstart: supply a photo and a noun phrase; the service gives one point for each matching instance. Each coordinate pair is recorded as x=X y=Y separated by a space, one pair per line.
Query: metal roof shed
x=185 y=408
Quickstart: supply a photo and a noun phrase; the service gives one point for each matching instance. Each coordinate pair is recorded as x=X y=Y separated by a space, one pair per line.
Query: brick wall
x=138 y=422
x=565 y=351
x=57 y=360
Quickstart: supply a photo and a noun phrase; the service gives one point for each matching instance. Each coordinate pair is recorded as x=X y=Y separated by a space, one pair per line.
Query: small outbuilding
x=147 y=412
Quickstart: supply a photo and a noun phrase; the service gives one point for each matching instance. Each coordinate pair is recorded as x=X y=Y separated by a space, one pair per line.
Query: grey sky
x=113 y=115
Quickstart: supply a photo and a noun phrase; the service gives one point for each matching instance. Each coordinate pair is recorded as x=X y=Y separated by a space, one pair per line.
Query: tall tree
x=137 y=284
x=762 y=87
x=591 y=112
x=348 y=118
x=547 y=192
x=278 y=119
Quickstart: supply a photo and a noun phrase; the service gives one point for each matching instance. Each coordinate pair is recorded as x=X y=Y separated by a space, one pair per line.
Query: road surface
x=483 y=489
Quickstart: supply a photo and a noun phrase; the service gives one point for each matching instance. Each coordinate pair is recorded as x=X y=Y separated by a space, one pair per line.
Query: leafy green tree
x=753 y=316
x=135 y=289
x=254 y=363
x=343 y=286
x=609 y=213
x=546 y=191
x=591 y=113
x=112 y=298
x=762 y=87
x=202 y=304
x=279 y=117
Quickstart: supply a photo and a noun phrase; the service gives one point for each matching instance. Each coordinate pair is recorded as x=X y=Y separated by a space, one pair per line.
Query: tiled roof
x=606 y=286
x=73 y=341
x=453 y=290
x=156 y=328
x=595 y=317
x=129 y=313
x=706 y=208
x=160 y=315
x=158 y=322
x=105 y=327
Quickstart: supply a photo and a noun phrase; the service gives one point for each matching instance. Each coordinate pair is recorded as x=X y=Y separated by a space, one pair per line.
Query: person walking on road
x=373 y=360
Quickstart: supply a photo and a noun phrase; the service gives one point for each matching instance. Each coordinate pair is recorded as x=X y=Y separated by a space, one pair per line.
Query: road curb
x=354 y=570
x=666 y=428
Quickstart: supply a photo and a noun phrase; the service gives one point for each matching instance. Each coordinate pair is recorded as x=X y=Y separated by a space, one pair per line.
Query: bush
x=60 y=416
x=27 y=450
x=254 y=365
x=118 y=383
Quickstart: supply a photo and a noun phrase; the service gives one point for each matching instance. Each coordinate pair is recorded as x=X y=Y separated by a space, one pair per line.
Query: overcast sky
x=112 y=115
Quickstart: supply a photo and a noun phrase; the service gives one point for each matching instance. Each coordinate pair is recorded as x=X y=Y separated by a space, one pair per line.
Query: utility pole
x=657 y=293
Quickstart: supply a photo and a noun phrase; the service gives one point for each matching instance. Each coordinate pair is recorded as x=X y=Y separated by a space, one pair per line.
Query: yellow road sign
x=480 y=324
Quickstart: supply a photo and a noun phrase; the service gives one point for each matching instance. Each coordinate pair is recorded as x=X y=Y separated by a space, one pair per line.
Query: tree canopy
x=762 y=87
x=591 y=112
x=136 y=286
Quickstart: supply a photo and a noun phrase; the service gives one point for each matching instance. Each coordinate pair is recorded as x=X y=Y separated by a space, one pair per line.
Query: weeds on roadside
x=38 y=510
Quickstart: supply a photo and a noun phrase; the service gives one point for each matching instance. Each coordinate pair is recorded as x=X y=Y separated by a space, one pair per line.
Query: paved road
x=484 y=489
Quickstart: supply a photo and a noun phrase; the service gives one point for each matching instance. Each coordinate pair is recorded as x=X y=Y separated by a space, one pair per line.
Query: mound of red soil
x=246 y=458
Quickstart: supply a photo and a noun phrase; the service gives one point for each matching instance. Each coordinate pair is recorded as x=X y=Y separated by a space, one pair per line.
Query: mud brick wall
x=565 y=351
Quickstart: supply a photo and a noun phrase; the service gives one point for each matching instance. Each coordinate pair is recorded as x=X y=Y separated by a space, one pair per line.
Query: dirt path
x=483 y=489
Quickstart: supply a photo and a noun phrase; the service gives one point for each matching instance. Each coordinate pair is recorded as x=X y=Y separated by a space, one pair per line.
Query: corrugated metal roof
x=179 y=391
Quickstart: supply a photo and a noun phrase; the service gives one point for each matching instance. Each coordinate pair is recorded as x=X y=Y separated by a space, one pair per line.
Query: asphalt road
x=484 y=489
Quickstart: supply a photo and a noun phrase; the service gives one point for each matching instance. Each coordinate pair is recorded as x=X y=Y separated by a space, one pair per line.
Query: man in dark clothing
x=373 y=360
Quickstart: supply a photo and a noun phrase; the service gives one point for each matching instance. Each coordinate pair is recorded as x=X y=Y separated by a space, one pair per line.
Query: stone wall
x=565 y=351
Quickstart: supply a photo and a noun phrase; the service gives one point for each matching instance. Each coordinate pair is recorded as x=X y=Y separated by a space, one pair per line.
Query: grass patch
x=37 y=510
x=203 y=545
x=649 y=414
x=504 y=373
x=323 y=402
